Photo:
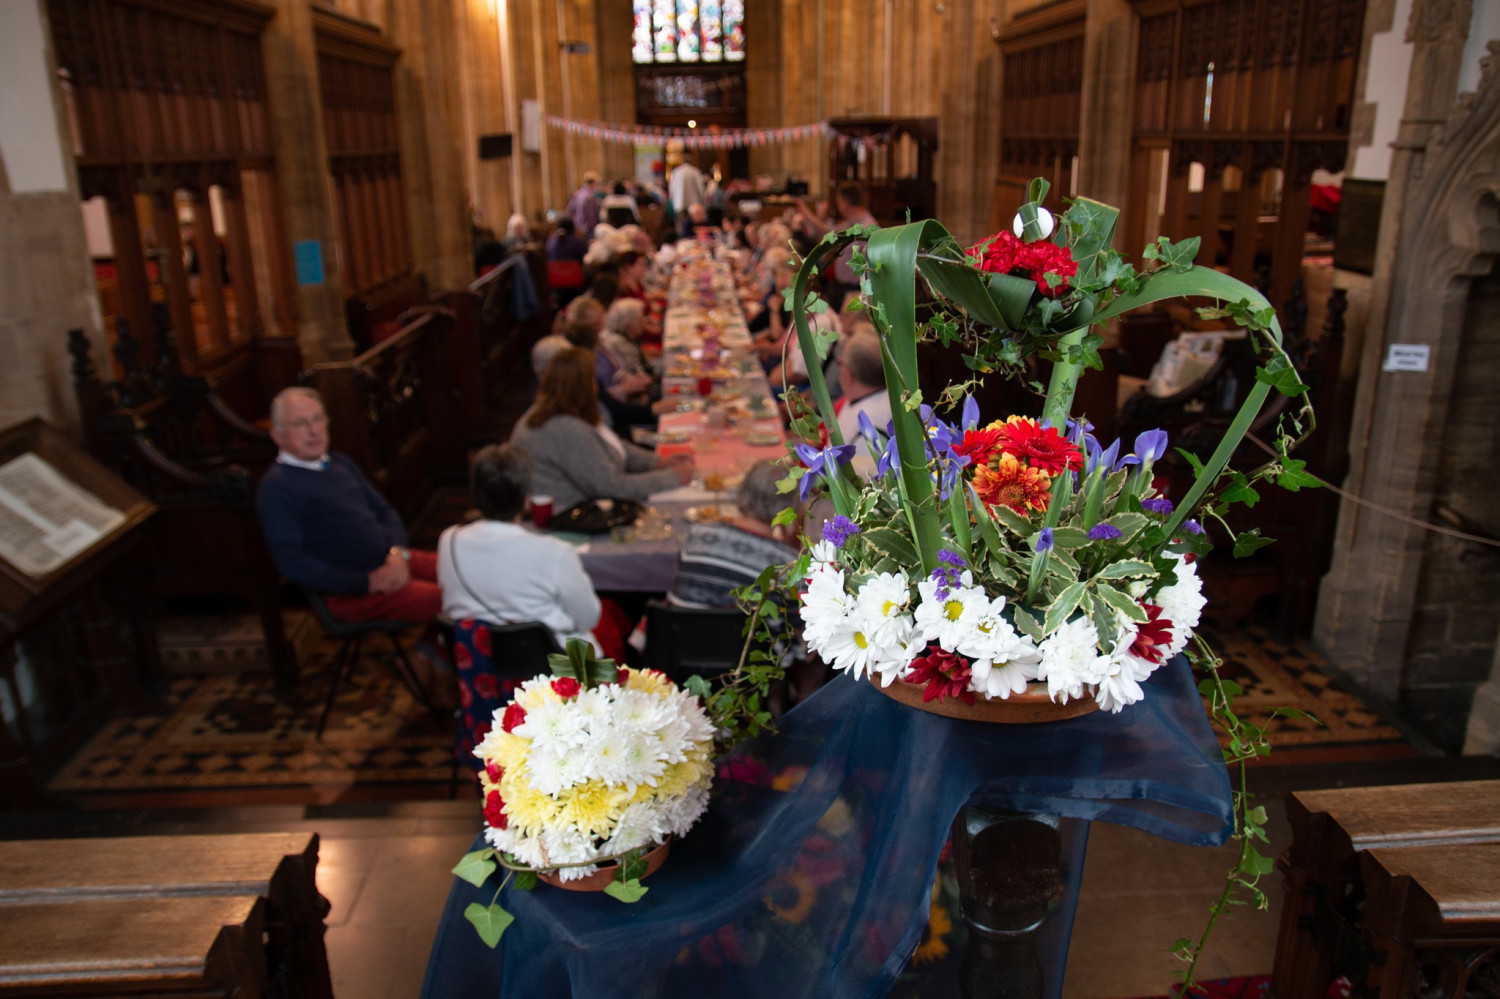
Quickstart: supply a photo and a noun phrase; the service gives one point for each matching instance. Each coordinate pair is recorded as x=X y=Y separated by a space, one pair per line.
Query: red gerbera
x=979 y=445
x=946 y=675
x=514 y=715
x=1012 y=484
x=1153 y=637
x=494 y=810
x=1042 y=447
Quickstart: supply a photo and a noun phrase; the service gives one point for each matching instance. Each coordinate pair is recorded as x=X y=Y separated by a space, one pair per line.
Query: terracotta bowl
x=1030 y=708
x=601 y=878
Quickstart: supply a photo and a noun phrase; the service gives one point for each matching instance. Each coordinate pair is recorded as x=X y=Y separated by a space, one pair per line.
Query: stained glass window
x=640 y=48
x=688 y=31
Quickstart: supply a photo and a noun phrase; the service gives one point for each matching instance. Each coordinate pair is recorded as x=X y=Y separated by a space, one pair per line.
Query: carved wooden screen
x=357 y=80
x=1043 y=80
x=1237 y=104
x=166 y=110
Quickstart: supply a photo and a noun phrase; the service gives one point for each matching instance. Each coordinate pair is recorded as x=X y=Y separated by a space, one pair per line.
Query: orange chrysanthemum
x=1012 y=484
x=1042 y=447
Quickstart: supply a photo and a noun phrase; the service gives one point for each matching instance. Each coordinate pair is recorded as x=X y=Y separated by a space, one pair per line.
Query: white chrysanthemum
x=948 y=619
x=824 y=605
x=566 y=845
x=1182 y=604
x=823 y=557
x=679 y=814
x=553 y=722
x=1119 y=685
x=1071 y=660
x=881 y=607
x=639 y=824
x=848 y=647
x=553 y=769
x=893 y=660
x=1001 y=660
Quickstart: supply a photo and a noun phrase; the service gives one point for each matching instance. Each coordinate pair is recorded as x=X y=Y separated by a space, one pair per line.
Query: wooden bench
x=1397 y=888
x=232 y=915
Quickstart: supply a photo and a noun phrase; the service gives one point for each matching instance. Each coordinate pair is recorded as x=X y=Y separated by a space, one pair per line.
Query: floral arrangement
x=594 y=763
x=983 y=557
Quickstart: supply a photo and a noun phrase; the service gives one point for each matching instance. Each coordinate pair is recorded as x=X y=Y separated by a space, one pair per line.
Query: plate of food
x=711 y=513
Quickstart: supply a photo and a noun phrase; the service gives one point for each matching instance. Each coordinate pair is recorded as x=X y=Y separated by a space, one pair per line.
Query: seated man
x=330 y=531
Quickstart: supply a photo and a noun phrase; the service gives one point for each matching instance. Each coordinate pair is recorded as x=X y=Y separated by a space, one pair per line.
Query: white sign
x=1405 y=357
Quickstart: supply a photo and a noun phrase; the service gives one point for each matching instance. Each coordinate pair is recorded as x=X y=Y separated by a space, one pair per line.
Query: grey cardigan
x=573 y=464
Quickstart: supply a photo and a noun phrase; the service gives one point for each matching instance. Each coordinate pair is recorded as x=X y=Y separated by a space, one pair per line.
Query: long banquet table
x=705 y=345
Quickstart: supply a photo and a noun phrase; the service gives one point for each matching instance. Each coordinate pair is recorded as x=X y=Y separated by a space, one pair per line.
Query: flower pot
x=601 y=878
x=1031 y=708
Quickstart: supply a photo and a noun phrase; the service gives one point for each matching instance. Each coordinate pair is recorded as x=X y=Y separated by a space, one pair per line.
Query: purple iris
x=824 y=462
x=940 y=440
x=1193 y=527
x=1151 y=445
x=970 y=418
x=1044 y=540
x=1096 y=457
x=1104 y=532
x=839 y=529
x=1157 y=504
x=868 y=432
x=1077 y=430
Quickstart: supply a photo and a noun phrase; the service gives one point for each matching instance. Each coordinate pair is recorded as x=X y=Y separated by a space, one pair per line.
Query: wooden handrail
x=489 y=276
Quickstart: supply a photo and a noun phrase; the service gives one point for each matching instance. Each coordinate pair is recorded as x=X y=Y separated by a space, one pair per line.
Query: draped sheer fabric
x=811 y=873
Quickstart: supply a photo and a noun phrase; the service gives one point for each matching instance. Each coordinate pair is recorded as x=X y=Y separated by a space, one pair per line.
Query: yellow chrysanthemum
x=681 y=776
x=533 y=695
x=505 y=750
x=649 y=681
x=527 y=809
x=593 y=808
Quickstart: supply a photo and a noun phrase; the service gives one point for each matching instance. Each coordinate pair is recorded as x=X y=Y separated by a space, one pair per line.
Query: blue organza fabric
x=811 y=873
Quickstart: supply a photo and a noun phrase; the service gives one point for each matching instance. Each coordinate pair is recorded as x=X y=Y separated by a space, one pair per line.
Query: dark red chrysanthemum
x=514 y=715
x=494 y=811
x=1153 y=637
x=565 y=687
x=1041 y=447
x=945 y=674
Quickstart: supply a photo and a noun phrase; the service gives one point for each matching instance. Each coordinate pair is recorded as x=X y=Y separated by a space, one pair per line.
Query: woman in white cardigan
x=575 y=458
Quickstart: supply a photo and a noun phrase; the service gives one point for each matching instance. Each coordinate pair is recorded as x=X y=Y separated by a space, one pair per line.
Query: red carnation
x=1000 y=254
x=494 y=811
x=1042 y=257
x=514 y=715
x=493 y=772
x=1042 y=447
x=945 y=674
x=1152 y=637
x=565 y=687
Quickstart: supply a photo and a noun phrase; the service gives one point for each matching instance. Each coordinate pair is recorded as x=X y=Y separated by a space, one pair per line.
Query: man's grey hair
x=862 y=357
x=624 y=314
x=758 y=497
x=278 y=404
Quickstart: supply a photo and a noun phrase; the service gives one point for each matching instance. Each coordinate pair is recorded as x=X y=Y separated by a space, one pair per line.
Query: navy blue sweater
x=326 y=530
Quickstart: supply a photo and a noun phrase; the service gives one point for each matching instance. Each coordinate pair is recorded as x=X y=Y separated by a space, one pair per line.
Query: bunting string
x=721 y=138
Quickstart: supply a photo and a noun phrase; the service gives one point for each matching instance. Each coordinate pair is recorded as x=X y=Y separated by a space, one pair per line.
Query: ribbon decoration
x=716 y=138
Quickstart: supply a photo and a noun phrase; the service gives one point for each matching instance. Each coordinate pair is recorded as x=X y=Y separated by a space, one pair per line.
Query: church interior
x=206 y=202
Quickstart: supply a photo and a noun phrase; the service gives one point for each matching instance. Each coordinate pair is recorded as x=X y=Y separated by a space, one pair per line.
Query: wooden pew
x=394 y=411
x=226 y=915
x=1382 y=880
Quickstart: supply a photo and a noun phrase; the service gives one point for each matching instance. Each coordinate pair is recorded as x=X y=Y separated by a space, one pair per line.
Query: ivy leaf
x=1250 y=542
x=524 y=880
x=1255 y=864
x=633 y=865
x=1292 y=477
x=490 y=921
x=1191 y=459
x=788 y=515
x=1284 y=380
x=698 y=687
x=626 y=891
x=1241 y=491
x=476 y=867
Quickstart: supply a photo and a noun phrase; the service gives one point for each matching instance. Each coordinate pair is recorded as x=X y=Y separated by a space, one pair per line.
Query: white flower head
x=947 y=617
x=1182 y=604
x=1120 y=685
x=1071 y=660
x=1001 y=660
x=881 y=606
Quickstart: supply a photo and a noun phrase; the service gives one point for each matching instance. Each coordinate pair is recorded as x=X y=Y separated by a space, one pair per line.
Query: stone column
x=1109 y=49
x=302 y=175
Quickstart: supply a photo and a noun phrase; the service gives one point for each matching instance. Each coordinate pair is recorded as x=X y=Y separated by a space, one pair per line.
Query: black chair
x=489 y=661
x=353 y=634
x=681 y=641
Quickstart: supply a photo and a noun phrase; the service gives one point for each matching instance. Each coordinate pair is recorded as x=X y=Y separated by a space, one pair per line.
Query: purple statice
x=839 y=530
x=820 y=462
x=1157 y=504
x=1192 y=527
x=947 y=575
x=1104 y=532
x=1044 y=540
